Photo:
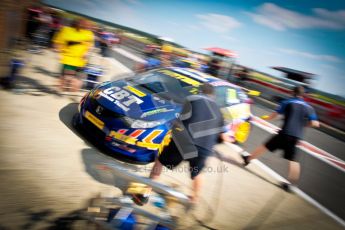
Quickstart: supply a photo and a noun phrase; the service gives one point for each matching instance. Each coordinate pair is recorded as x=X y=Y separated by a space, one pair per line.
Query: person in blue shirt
x=297 y=115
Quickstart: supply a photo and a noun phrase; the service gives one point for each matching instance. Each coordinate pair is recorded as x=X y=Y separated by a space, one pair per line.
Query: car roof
x=202 y=77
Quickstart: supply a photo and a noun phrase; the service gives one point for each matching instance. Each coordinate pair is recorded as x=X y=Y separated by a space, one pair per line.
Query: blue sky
x=305 y=35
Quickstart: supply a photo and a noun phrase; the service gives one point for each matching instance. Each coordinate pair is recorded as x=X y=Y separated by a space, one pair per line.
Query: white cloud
x=121 y=11
x=193 y=27
x=336 y=16
x=218 y=23
x=320 y=57
x=279 y=18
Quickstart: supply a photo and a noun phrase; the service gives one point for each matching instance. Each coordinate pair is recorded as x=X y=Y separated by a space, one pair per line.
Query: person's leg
x=69 y=80
x=156 y=170
x=196 y=186
x=76 y=79
x=170 y=158
x=62 y=79
x=271 y=145
x=62 y=82
x=257 y=152
x=76 y=83
x=65 y=82
x=154 y=175
x=67 y=75
x=294 y=172
x=290 y=155
x=196 y=165
x=253 y=155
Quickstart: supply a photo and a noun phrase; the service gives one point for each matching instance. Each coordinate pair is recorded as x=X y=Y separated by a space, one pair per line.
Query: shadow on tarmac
x=96 y=154
x=45 y=72
x=93 y=162
x=26 y=85
x=234 y=162
x=66 y=116
x=269 y=208
x=29 y=86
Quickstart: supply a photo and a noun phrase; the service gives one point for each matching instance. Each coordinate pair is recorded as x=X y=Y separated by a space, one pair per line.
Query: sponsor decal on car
x=222 y=83
x=120 y=97
x=123 y=137
x=180 y=77
x=156 y=111
x=94 y=120
x=147 y=142
x=135 y=91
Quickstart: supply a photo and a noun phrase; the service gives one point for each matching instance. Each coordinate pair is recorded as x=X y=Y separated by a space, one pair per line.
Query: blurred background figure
x=103 y=43
x=213 y=67
x=73 y=43
x=243 y=75
x=240 y=76
x=40 y=36
x=32 y=22
x=105 y=40
x=54 y=26
x=151 y=50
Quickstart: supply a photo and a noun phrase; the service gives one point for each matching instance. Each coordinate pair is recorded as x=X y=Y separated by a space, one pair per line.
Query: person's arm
x=226 y=138
x=312 y=117
x=271 y=116
x=59 y=40
x=314 y=124
x=91 y=40
x=89 y=43
x=280 y=110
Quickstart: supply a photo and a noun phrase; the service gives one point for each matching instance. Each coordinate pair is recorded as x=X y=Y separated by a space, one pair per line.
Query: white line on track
x=296 y=190
x=318 y=205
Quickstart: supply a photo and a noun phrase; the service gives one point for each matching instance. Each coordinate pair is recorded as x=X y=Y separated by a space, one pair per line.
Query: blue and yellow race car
x=133 y=116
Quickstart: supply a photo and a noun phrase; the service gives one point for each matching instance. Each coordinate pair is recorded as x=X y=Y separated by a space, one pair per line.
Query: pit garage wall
x=13 y=18
x=319 y=180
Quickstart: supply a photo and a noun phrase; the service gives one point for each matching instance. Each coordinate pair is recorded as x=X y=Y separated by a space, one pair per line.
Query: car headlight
x=140 y=124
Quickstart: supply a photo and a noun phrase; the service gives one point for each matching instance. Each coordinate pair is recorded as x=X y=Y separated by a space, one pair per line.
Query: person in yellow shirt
x=73 y=43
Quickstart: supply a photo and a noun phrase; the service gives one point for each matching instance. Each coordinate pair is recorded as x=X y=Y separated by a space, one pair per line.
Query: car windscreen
x=161 y=84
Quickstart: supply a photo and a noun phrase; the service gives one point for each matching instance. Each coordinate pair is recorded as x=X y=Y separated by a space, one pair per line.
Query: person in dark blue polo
x=297 y=115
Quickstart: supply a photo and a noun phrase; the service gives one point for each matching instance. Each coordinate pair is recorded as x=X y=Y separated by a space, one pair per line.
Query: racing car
x=133 y=116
